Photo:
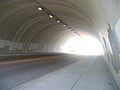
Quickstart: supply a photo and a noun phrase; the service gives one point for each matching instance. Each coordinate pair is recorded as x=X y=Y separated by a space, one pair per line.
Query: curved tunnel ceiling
x=23 y=28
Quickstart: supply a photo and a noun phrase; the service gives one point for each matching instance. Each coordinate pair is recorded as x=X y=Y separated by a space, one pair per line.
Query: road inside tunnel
x=78 y=70
x=32 y=27
x=14 y=73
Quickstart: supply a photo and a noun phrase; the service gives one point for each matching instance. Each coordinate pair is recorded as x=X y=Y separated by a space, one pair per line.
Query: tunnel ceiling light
x=58 y=21
x=64 y=25
x=40 y=9
x=50 y=16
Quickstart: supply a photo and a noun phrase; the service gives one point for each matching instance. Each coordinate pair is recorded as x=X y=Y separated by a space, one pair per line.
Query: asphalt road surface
x=16 y=72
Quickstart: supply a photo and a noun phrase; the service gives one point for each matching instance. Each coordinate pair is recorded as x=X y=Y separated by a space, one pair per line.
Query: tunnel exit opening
x=84 y=45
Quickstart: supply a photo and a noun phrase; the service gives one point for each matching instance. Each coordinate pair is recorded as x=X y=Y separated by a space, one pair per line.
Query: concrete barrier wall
x=112 y=59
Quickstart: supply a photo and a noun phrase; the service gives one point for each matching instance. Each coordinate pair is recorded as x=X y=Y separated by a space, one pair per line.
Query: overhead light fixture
x=58 y=21
x=63 y=25
x=40 y=9
x=50 y=16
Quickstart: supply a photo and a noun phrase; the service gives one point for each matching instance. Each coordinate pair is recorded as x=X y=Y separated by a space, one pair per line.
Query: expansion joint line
x=84 y=72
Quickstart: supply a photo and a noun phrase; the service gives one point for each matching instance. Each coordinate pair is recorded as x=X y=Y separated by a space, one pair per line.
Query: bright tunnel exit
x=84 y=45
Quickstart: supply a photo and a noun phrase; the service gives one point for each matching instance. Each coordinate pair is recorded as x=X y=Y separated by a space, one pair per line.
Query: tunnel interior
x=31 y=27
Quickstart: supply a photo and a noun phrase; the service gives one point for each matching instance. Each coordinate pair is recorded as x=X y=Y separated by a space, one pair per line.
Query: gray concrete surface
x=86 y=74
x=14 y=73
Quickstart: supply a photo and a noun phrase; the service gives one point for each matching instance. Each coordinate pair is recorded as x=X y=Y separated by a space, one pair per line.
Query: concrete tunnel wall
x=25 y=29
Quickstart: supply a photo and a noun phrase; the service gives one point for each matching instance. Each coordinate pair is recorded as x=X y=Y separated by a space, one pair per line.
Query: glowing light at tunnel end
x=85 y=45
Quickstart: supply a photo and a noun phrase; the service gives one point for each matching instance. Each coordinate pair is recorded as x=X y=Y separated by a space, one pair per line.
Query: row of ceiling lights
x=51 y=15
